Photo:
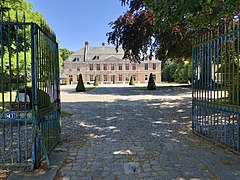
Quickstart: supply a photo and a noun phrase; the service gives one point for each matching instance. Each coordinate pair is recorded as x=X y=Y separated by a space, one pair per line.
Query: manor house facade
x=109 y=65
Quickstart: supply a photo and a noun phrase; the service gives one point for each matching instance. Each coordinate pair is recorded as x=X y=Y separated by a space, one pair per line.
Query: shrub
x=234 y=91
x=151 y=83
x=131 y=82
x=96 y=81
x=64 y=81
x=168 y=70
x=43 y=97
x=183 y=72
x=80 y=86
x=174 y=71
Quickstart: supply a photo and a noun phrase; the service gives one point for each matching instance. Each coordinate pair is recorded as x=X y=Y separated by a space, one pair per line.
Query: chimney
x=85 y=51
x=103 y=44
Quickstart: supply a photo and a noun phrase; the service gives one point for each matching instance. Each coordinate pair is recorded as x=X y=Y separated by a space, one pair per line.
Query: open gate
x=29 y=93
x=216 y=84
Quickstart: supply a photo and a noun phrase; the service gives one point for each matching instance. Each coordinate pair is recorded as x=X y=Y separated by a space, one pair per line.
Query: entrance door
x=113 y=79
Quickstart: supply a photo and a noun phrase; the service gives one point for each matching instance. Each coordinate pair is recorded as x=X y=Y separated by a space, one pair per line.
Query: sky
x=77 y=21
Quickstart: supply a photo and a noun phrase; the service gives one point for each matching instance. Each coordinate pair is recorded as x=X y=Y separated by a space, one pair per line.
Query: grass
x=7 y=99
x=7 y=96
x=89 y=88
x=65 y=114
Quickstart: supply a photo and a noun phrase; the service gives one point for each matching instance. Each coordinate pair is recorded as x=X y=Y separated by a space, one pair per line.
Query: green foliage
x=234 y=91
x=151 y=83
x=168 y=70
x=80 y=86
x=21 y=11
x=64 y=53
x=65 y=114
x=64 y=81
x=167 y=27
x=183 y=72
x=43 y=97
x=174 y=71
x=131 y=82
x=96 y=81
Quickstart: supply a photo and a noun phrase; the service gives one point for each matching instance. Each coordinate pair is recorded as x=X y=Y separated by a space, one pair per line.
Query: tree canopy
x=167 y=27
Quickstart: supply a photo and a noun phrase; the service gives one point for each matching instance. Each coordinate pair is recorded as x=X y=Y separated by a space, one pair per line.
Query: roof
x=102 y=52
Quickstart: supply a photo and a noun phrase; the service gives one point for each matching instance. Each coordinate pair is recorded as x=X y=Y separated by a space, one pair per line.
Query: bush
x=173 y=71
x=131 y=82
x=183 y=72
x=43 y=97
x=80 y=86
x=234 y=91
x=64 y=81
x=168 y=70
x=151 y=83
x=96 y=81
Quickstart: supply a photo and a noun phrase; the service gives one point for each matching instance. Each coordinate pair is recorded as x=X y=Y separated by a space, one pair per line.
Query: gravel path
x=131 y=133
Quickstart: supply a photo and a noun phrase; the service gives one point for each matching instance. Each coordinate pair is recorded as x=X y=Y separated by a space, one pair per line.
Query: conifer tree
x=80 y=86
x=151 y=83
x=96 y=81
x=131 y=82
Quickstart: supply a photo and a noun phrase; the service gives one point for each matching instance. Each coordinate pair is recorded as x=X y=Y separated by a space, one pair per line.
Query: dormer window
x=95 y=57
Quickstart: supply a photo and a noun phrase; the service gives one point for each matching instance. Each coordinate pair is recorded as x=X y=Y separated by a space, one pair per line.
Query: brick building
x=109 y=65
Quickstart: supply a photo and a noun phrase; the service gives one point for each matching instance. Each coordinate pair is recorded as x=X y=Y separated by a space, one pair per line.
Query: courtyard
x=124 y=132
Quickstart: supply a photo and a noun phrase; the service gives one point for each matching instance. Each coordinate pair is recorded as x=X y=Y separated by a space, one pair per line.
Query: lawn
x=65 y=114
x=89 y=88
x=7 y=99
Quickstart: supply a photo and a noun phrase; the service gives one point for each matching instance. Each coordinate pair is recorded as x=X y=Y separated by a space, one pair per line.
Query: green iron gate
x=29 y=94
x=216 y=85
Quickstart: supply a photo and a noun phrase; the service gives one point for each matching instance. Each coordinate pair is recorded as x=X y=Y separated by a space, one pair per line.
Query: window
x=98 y=67
x=112 y=78
x=154 y=77
x=91 y=67
x=120 y=77
x=70 y=67
x=134 y=67
x=146 y=77
x=77 y=59
x=77 y=77
x=78 y=67
x=127 y=67
x=105 y=67
x=146 y=66
x=154 y=66
x=127 y=78
x=95 y=57
x=112 y=66
x=91 y=77
x=105 y=78
x=120 y=67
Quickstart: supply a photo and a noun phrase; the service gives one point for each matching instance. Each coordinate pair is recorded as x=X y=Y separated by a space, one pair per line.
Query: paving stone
x=111 y=127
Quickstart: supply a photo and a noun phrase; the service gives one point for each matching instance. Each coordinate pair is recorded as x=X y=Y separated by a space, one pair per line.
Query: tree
x=64 y=53
x=167 y=27
x=96 y=81
x=151 y=83
x=12 y=46
x=80 y=86
x=131 y=82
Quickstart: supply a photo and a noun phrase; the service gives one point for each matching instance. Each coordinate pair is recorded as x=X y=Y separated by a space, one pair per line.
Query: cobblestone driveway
x=130 y=133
